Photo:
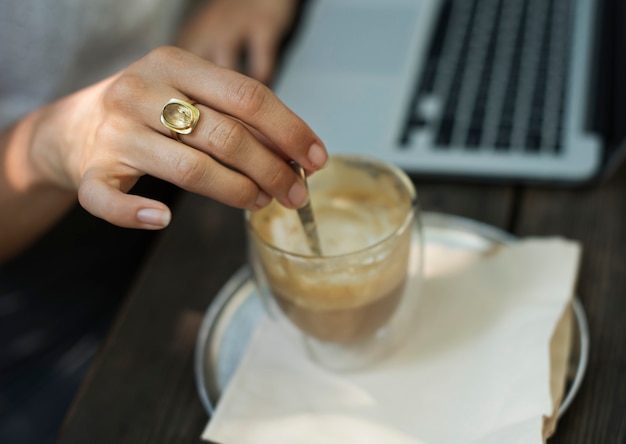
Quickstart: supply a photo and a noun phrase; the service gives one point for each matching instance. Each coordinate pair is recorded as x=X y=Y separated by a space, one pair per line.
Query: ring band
x=179 y=117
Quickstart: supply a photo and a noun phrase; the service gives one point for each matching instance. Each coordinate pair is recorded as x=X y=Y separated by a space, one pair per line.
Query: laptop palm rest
x=347 y=72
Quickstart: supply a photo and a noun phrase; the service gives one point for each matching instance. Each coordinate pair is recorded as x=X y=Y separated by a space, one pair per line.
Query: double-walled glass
x=355 y=302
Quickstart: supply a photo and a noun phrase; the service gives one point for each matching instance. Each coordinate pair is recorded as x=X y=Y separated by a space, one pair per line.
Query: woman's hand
x=99 y=141
x=224 y=31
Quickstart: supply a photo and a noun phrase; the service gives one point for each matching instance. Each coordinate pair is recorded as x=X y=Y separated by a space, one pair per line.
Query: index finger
x=246 y=99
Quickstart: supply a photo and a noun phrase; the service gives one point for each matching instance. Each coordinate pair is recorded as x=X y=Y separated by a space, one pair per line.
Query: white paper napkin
x=475 y=370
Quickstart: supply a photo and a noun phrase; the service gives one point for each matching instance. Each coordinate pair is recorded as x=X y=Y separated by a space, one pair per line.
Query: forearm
x=28 y=205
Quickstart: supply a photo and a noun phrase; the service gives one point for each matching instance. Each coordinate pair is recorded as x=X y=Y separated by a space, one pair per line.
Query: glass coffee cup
x=353 y=304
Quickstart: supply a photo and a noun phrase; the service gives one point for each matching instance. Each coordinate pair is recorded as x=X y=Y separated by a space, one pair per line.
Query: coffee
x=365 y=227
x=343 y=325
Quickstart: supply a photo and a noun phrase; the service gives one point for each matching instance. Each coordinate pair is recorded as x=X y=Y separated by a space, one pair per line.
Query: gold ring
x=179 y=117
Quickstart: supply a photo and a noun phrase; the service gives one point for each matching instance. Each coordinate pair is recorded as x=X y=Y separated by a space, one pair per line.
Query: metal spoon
x=305 y=213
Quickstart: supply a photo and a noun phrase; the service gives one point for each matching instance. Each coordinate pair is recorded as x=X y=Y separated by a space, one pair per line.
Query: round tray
x=233 y=315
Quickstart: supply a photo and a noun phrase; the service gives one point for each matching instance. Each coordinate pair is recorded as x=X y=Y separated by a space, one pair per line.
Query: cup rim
x=379 y=163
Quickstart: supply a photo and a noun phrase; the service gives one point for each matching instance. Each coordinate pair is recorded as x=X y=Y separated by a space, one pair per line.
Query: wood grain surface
x=141 y=387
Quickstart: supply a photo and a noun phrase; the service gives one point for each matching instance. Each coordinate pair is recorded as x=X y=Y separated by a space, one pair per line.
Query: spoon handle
x=305 y=213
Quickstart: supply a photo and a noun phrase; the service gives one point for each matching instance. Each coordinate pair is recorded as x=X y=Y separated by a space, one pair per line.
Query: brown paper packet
x=560 y=349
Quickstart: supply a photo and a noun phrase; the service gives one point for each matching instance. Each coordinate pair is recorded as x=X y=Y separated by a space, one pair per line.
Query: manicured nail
x=263 y=199
x=317 y=155
x=153 y=216
x=298 y=195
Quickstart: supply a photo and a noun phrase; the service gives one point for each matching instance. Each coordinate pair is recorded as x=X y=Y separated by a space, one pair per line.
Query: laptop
x=504 y=90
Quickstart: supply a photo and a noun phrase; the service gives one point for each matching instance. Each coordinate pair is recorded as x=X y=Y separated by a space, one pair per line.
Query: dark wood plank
x=486 y=203
x=595 y=217
x=141 y=388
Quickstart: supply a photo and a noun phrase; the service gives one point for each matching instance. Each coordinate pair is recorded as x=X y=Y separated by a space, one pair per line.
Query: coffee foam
x=345 y=224
x=357 y=211
x=347 y=276
x=333 y=288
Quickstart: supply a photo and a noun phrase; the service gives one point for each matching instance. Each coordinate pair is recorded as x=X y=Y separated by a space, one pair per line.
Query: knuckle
x=294 y=133
x=246 y=196
x=108 y=134
x=108 y=143
x=163 y=55
x=277 y=178
x=86 y=194
x=189 y=172
x=250 y=96
x=128 y=89
x=227 y=137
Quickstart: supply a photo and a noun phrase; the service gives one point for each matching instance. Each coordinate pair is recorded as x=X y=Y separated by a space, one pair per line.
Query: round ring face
x=180 y=116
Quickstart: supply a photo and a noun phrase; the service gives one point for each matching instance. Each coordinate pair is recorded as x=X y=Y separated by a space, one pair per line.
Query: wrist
x=33 y=155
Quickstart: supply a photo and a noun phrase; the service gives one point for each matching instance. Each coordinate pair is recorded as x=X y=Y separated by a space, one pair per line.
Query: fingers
x=231 y=143
x=101 y=194
x=106 y=201
x=263 y=46
x=226 y=48
x=237 y=171
x=246 y=99
x=226 y=32
x=237 y=153
x=267 y=28
x=208 y=159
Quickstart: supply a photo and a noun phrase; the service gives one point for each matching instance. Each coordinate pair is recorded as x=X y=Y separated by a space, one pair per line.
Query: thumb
x=105 y=201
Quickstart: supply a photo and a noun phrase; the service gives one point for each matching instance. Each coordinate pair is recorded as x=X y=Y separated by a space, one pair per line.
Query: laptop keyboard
x=495 y=76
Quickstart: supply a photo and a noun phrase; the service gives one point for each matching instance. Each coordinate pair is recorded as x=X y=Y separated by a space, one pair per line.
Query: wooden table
x=141 y=387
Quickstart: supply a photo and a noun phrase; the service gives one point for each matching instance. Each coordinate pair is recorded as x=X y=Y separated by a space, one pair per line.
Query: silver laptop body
x=485 y=89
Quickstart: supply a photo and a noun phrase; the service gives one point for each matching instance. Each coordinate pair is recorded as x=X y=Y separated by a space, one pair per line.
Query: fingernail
x=153 y=216
x=317 y=155
x=263 y=199
x=297 y=195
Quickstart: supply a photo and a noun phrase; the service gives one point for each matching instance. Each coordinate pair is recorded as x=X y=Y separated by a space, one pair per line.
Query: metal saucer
x=231 y=318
